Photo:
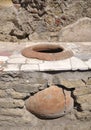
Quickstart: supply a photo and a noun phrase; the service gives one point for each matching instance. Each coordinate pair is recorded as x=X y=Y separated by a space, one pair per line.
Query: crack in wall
x=77 y=105
x=64 y=100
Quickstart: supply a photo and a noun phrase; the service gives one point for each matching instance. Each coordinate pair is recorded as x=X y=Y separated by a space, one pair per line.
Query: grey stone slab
x=2 y=94
x=26 y=88
x=10 y=103
x=78 y=64
x=11 y=112
x=15 y=95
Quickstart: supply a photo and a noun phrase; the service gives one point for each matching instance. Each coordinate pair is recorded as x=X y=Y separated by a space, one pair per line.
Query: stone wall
x=16 y=88
x=42 y=20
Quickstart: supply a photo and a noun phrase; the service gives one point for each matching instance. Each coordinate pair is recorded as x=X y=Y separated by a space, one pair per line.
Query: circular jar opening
x=48 y=49
x=49 y=52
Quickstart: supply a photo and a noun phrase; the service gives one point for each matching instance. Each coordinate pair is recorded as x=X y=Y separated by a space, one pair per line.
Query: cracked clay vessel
x=52 y=102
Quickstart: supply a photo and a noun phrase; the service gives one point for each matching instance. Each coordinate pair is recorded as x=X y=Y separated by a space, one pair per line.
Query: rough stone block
x=88 y=81
x=83 y=115
x=10 y=103
x=84 y=91
x=11 y=112
x=16 y=95
x=2 y=94
x=84 y=99
x=4 y=86
x=86 y=106
x=73 y=83
x=25 y=88
x=77 y=32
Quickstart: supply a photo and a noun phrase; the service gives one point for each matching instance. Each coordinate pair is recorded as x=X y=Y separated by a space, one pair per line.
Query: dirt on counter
x=39 y=19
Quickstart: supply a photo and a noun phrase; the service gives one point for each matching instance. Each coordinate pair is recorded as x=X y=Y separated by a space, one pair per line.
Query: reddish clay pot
x=52 y=102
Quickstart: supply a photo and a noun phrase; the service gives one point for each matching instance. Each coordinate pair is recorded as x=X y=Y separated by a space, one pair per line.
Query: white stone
x=55 y=65
x=17 y=60
x=88 y=63
x=4 y=58
x=11 y=67
x=78 y=64
x=29 y=67
x=33 y=61
x=18 y=55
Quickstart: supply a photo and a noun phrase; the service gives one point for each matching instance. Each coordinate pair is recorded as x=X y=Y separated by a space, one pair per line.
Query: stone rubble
x=45 y=20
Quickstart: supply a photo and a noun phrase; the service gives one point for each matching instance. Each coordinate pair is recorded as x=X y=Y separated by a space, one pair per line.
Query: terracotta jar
x=52 y=102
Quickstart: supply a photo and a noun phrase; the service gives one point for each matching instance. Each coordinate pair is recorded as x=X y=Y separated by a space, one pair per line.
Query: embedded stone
x=52 y=102
x=77 y=32
x=11 y=103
